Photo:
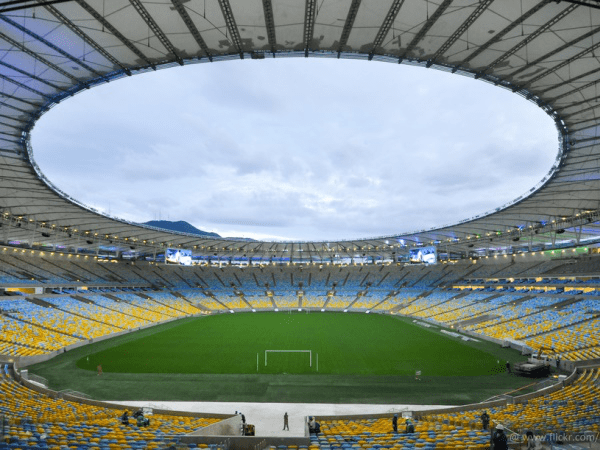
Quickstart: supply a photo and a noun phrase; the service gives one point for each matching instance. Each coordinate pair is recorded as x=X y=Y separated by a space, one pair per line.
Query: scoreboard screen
x=178 y=256
x=424 y=255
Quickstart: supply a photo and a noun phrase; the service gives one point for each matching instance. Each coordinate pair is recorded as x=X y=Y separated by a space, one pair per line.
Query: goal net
x=288 y=360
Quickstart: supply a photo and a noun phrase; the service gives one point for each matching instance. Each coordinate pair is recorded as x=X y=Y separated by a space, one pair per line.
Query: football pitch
x=357 y=344
x=336 y=357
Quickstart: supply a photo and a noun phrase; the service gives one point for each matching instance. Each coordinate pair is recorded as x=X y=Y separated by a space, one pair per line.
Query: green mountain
x=181 y=226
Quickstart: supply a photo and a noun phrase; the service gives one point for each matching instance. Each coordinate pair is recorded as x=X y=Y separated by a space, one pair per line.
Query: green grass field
x=346 y=344
x=362 y=358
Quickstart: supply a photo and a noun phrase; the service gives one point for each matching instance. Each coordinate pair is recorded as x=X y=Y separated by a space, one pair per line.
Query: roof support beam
x=582 y=102
x=10 y=135
x=506 y=30
x=30 y=75
x=51 y=45
x=116 y=33
x=10 y=140
x=589 y=3
x=12 y=5
x=89 y=41
x=28 y=113
x=426 y=27
x=270 y=24
x=34 y=55
x=234 y=33
x=532 y=36
x=385 y=26
x=189 y=23
x=158 y=32
x=564 y=63
x=581 y=88
x=569 y=81
x=481 y=7
x=580 y=111
x=310 y=15
x=15 y=119
x=18 y=99
x=348 y=25
x=565 y=46
x=24 y=86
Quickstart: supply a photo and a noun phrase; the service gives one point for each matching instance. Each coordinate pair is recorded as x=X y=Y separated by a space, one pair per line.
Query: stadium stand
x=233 y=302
x=169 y=303
x=36 y=420
x=502 y=308
x=368 y=300
x=574 y=408
x=420 y=303
x=29 y=325
x=377 y=433
x=259 y=301
x=456 y=308
x=540 y=311
x=526 y=283
x=314 y=300
x=200 y=298
x=513 y=318
x=286 y=300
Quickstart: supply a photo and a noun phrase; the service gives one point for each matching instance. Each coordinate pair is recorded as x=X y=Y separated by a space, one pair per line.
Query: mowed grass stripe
x=347 y=344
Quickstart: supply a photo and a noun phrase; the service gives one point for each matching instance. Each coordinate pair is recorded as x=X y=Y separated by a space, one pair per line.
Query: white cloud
x=297 y=149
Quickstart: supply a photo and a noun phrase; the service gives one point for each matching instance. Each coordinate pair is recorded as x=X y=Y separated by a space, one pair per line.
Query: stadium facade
x=543 y=50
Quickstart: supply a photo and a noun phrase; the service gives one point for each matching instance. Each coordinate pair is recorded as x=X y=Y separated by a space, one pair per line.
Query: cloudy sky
x=301 y=149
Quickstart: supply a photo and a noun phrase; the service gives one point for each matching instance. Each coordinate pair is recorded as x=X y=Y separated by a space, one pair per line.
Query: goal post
x=289 y=351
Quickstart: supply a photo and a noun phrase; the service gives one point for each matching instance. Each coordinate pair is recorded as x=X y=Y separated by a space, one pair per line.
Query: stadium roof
x=544 y=50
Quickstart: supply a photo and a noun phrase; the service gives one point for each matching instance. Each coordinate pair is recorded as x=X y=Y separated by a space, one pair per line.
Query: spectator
x=142 y=421
x=125 y=418
x=285 y=422
x=485 y=420
x=395 y=423
x=499 y=441
x=530 y=439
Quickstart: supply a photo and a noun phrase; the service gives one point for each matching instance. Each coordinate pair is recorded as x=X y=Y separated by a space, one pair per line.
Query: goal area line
x=289 y=351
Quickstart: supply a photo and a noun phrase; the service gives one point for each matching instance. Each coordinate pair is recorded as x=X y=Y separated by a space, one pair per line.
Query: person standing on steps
x=485 y=420
x=500 y=440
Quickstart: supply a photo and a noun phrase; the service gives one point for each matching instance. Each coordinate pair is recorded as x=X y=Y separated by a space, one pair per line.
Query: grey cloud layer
x=301 y=149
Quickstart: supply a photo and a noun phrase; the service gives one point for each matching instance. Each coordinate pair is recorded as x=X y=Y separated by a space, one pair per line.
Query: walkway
x=268 y=417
